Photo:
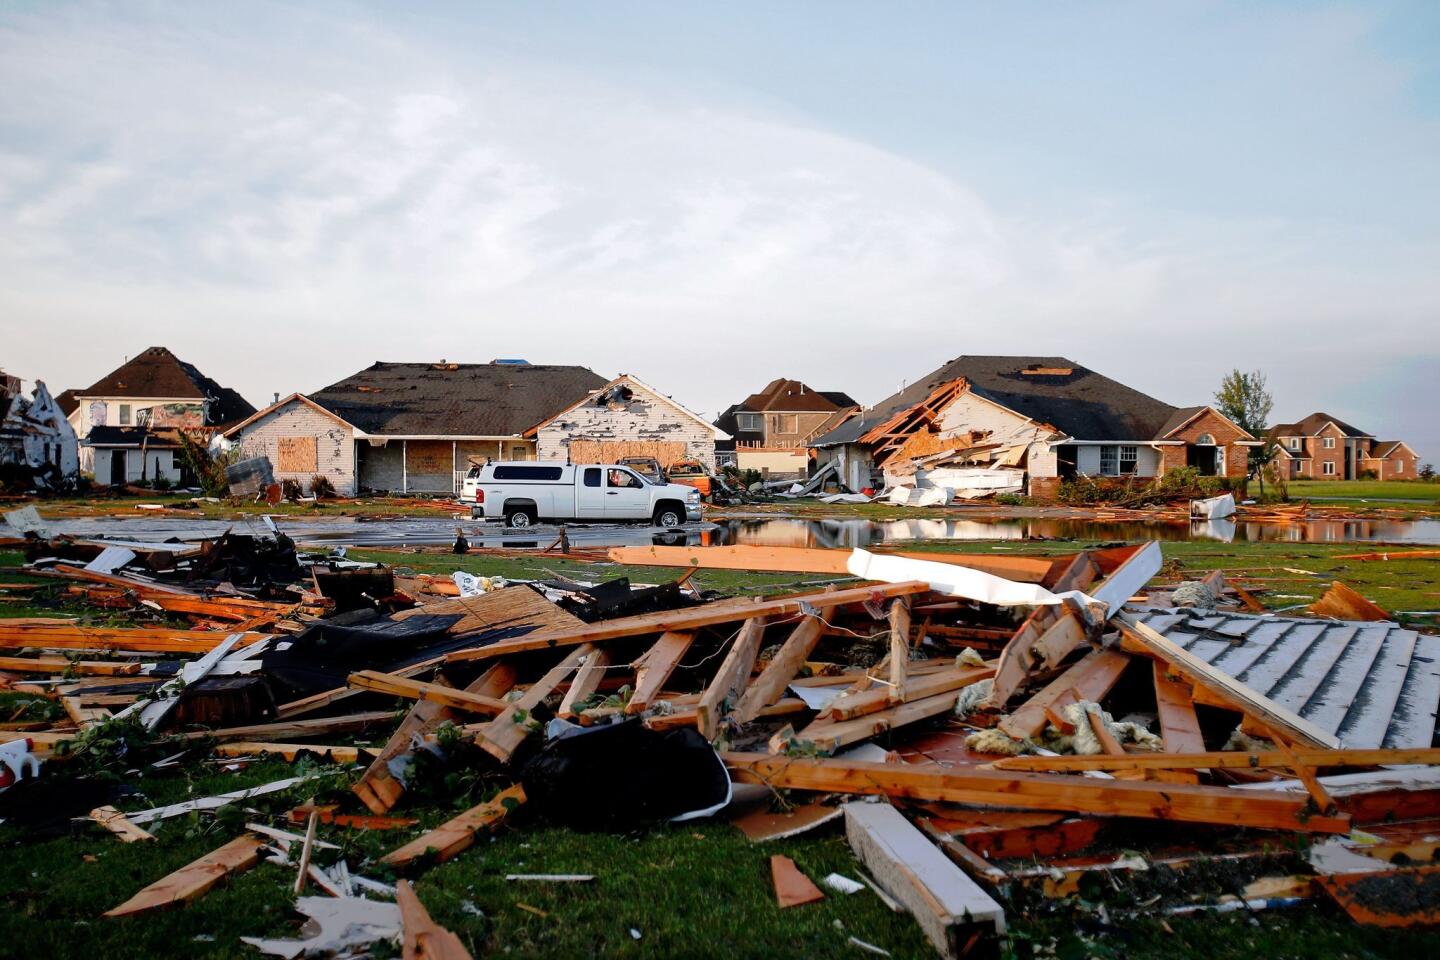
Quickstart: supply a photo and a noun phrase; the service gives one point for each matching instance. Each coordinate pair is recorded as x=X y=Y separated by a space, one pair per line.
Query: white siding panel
x=334 y=444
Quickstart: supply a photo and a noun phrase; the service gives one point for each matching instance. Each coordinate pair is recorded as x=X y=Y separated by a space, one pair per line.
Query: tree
x=1244 y=399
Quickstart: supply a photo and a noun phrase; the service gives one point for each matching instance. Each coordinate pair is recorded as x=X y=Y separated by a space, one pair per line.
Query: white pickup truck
x=526 y=492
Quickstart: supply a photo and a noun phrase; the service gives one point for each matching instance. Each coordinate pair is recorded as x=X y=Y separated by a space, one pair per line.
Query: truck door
x=626 y=495
x=590 y=499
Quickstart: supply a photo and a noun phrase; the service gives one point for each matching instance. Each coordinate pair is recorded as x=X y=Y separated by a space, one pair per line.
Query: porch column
x=454 y=467
x=404 y=466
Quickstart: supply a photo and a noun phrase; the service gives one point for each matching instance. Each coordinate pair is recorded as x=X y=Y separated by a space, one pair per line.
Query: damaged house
x=37 y=444
x=772 y=429
x=411 y=427
x=626 y=418
x=981 y=425
x=129 y=420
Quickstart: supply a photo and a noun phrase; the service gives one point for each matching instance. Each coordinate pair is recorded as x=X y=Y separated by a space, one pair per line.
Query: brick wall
x=1225 y=435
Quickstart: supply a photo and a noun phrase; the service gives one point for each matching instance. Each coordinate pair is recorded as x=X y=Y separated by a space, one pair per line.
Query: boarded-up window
x=296 y=455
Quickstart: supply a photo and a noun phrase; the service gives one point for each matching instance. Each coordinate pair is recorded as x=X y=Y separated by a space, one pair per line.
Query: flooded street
x=768 y=531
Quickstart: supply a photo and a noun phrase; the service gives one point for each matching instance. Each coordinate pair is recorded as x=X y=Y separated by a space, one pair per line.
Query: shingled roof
x=157 y=373
x=455 y=399
x=1073 y=399
x=1313 y=424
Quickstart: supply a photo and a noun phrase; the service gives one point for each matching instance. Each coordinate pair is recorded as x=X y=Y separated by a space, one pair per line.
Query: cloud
x=286 y=199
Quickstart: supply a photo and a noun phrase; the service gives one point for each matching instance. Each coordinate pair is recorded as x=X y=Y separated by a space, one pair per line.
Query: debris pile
x=990 y=729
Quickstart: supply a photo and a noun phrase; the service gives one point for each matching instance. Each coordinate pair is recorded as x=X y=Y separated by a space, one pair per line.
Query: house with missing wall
x=626 y=418
x=1322 y=447
x=129 y=420
x=38 y=447
x=772 y=428
x=1048 y=417
x=411 y=427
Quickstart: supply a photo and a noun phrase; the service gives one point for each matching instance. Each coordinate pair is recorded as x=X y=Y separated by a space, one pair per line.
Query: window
x=592 y=476
x=750 y=422
x=124 y=414
x=1129 y=457
x=784 y=423
x=624 y=479
x=1329 y=443
x=1399 y=466
x=1205 y=440
x=528 y=473
x=1329 y=468
x=1292 y=443
x=1109 y=461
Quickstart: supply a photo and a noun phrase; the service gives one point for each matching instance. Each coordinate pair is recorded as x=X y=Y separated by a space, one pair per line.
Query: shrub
x=209 y=469
x=321 y=487
x=291 y=490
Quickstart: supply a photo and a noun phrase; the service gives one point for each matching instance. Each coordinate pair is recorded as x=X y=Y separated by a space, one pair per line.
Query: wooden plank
x=317 y=727
x=899 y=646
x=432 y=692
x=827 y=736
x=424 y=939
x=117 y=823
x=290 y=751
x=82 y=715
x=731 y=679
x=956 y=915
x=690 y=718
x=851 y=705
x=194 y=879
x=146 y=639
x=1141 y=639
x=455 y=836
x=1228 y=759
x=83 y=668
x=1342 y=602
x=1306 y=775
x=1179 y=727
x=586 y=682
x=1108 y=743
x=501 y=736
x=817 y=560
x=654 y=668
x=693 y=618
x=1091 y=679
x=792 y=888
x=1036 y=791
x=771 y=683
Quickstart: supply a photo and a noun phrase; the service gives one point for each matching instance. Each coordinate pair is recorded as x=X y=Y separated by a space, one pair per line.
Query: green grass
x=1365 y=489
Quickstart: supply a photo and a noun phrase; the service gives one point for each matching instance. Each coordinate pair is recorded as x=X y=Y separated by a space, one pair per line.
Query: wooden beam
x=954 y=913
x=771 y=683
x=586 y=682
x=654 y=668
x=1302 y=772
x=242 y=748
x=1225 y=760
x=816 y=560
x=850 y=705
x=83 y=668
x=424 y=939
x=899 y=646
x=692 y=618
x=1179 y=727
x=117 y=823
x=194 y=879
x=501 y=736
x=731 y=679
x=433 y=692
x=827 y=736
x=1037 y=791
x=317 y=727
x=455 y=836
x=1091 y=679
x=159 y=639
x=1139 y=638
x=1108 y=743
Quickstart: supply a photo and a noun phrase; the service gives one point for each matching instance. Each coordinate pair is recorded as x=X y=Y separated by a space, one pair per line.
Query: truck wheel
x=520 y=517
x=669 y=515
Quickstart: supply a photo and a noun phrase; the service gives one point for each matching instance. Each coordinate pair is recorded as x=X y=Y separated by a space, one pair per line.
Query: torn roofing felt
x=1370 y=684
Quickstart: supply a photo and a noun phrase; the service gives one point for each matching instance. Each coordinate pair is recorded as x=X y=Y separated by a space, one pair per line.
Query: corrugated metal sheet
x=1370 y=684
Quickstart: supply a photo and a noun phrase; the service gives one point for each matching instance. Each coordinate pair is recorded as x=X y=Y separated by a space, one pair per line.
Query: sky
x=710 y=196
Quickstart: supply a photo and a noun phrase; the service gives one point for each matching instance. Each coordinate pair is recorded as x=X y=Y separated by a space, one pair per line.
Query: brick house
x=773 y=427
x=1322 y=447
x=411 y=427
x=1048 y=415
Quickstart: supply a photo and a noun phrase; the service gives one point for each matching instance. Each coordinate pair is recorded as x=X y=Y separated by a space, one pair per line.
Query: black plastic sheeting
x=623 y=775
x=323 y=655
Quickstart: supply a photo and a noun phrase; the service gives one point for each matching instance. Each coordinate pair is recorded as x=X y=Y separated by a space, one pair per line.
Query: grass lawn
x=1364 y=490
x=690 y=890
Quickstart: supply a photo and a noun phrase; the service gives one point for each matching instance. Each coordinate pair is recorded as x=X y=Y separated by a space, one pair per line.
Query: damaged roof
x=1054 y=390
x=1370 y=684
x=455 y=399
x=158 y=373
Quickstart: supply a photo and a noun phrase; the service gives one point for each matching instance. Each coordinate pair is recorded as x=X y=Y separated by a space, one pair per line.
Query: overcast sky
x=712 y=195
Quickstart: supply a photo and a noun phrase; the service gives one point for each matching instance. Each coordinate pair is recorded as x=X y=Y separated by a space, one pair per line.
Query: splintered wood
x=455 y=836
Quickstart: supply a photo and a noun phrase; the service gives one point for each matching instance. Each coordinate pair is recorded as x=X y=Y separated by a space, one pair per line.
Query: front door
x=117 y=468
x=626 y=496
x=590 y=494
x=1202 y=458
